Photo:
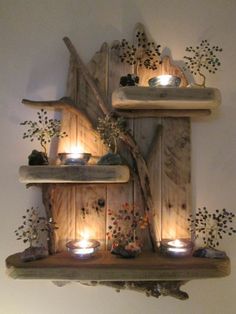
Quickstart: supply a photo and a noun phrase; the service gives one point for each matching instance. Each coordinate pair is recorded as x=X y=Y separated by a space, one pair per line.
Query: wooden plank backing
x=176 y=177
x=76 y=212
x=90 y=219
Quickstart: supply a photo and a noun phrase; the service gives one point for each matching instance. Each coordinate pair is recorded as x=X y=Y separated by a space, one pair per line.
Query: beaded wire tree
x=143 y=54
x=203 y=59
x=43 y=130
x=211 y=227
x=110 y=128
x=33 y=226
x=125 y=223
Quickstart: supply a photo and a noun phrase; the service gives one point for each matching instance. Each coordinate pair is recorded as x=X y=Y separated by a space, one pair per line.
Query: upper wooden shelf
x=74 y=174
x=107 y=267
x=167 y=101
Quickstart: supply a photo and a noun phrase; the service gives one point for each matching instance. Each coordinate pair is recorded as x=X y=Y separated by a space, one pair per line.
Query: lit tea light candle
x=75 y=157
x=178 y=247
x=83 y=248
x=164 y=80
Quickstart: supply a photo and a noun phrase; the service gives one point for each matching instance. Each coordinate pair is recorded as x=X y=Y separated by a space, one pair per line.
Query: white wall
x=33 y=64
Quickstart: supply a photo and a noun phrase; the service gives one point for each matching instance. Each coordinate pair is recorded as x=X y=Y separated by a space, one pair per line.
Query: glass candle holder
x=177 y=247
x=74 y=158
x=82 y=249
x=164 y=81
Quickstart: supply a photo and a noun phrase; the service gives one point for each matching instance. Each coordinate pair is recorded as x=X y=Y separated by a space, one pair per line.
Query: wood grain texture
x=139 y=97
x=151 y=113
x=117 y=195
x=90 y=218
x=107 y=267
x=145 y=132
x=74 y=174
x=63 y=209
x=176 y=177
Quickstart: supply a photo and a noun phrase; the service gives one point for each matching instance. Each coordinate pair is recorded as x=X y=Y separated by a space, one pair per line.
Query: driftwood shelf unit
x=157 y=150
x=74 y=174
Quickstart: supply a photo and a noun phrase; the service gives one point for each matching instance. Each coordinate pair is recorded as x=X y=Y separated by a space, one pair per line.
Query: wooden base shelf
x=107 y=267
x=74 y=174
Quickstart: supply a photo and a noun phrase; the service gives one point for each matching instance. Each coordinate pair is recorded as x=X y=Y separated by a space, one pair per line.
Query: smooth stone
x=110 y=159
x=209 y=253
x=34 y=253
x=37 y=158
x=127 y=251
x=129 y=80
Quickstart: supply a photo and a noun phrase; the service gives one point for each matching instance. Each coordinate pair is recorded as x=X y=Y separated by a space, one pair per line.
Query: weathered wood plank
x=74 y=174
x=117 y=196
x=176 y=177
x=144 y=132
x=90 y=220
x=150 y=113
x=105 y=266
x=154 y=166
x=63 y=211
x=139 y=97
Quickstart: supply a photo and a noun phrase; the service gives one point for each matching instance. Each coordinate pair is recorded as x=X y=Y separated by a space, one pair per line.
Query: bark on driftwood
x=62 y=103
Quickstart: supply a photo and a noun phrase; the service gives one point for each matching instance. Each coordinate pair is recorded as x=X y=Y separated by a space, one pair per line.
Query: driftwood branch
x=82 y=67
x=150 y=288
x=62 y=103
x=128 y=140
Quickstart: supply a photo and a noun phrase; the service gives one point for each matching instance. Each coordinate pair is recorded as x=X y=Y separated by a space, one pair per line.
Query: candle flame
x=84 y=243
x=176 y=243
x=165 y=79
x=78 y=149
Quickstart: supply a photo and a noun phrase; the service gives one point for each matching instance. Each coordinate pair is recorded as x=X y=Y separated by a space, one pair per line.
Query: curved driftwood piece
x=62 y=103
x=128 y=140
x=150 y=288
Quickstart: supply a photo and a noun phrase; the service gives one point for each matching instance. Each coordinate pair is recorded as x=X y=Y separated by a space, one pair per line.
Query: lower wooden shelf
x=106 y=267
